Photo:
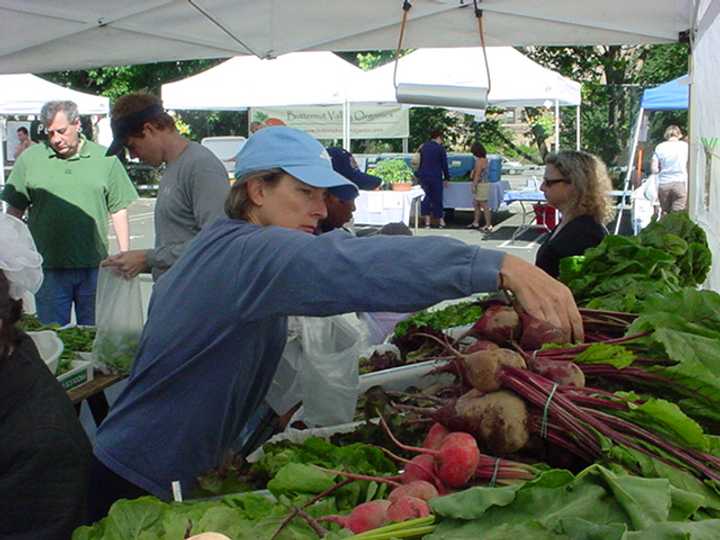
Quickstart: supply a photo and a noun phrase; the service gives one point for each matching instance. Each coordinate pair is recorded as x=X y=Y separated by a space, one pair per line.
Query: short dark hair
x=23 y=129
x=478 y=150
x=132 y=103
x=435 y=133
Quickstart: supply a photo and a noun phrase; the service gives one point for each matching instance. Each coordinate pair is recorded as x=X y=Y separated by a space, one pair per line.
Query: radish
x=455 y=460
x=364 y=517
x=435 y=436
x=209 y=536
x=536 y=333
x=418 y=488
x=499 y=323
x=419 y=468
x=563 y=372
x=407 y=507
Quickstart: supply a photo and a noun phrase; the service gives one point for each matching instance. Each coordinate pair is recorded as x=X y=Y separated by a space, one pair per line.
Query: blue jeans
x=60 y=289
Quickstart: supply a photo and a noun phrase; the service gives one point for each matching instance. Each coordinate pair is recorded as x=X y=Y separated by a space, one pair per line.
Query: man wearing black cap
x=192 y=190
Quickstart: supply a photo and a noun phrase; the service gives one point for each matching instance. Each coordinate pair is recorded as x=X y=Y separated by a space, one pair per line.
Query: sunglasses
x=550 y=181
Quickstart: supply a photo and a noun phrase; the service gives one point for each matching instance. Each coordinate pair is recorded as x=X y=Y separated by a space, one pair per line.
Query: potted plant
x=396 y=173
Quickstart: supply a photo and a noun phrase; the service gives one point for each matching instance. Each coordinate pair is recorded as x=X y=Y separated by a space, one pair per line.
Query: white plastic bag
x=118 y=319
x=330 y=372
x=286 y=389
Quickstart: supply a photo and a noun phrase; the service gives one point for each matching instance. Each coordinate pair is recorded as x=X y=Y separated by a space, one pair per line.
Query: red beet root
x=480 y=345
x=536 y=333
x=499 y=323
x=563 y=372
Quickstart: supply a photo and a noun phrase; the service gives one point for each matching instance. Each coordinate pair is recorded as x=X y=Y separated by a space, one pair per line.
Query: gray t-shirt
x=192 y=193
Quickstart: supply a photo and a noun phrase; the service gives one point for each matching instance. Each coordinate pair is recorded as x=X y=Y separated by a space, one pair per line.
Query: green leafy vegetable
x=442 y=319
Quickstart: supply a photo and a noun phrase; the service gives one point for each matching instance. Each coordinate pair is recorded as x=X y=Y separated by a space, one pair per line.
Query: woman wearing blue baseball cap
x=218 y=318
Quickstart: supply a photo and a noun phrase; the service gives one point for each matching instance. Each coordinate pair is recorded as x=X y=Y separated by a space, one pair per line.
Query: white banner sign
x=326 y=122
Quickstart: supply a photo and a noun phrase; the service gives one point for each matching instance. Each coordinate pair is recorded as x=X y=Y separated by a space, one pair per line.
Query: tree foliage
x=613 y=78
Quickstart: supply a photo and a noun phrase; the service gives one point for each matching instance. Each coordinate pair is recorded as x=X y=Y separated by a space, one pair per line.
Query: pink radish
x=364 y=517
x=455 y=460
x=407 y=507
x=536 y=333
x=419 y=488
x=419 y=468
x=435 y=436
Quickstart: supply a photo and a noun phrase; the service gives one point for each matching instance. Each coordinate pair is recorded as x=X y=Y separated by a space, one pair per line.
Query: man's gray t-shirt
x=192 y=193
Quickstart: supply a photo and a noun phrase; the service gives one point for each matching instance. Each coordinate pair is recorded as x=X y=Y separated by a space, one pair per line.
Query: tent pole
x=346 y=125
x=577 y=127
x=557 y=125
x=3 y=206
x=628 y=174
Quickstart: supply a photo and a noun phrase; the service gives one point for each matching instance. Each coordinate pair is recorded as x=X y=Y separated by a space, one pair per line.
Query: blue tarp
x=671 y=96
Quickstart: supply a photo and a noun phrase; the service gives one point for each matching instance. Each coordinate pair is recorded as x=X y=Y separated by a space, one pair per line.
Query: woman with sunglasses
x=577 y=184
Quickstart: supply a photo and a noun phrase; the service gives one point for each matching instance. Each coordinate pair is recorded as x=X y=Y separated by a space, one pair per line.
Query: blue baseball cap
x=344 y=163
x=296 y=153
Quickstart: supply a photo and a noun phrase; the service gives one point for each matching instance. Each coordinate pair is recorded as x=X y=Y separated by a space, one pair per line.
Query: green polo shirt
x=69 y=201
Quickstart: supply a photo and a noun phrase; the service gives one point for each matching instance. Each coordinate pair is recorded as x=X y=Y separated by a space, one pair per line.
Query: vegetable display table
x=94 y=393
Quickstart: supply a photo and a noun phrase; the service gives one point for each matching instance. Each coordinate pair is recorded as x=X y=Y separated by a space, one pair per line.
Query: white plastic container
x=80 y=373
x=50 y=347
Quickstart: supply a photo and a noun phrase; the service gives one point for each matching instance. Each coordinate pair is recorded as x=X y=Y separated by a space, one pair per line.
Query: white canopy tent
x=323 y=78
x=704 y=172
x=516 y=80
x=25 y=94
x=47 y=35
x=306 y=78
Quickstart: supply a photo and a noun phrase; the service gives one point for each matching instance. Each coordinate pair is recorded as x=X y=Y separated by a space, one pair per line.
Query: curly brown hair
x=10 y=313
x=588 y=174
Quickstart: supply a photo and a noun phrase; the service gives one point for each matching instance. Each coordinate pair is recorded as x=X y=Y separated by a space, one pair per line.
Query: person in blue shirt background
x=432 y=173
x=217 y=321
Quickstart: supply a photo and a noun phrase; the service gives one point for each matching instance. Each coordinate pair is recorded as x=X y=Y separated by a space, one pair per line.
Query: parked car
x=225 y=148
x=511 y=167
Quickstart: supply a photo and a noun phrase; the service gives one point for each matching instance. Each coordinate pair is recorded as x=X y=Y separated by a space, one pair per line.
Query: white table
x=383 y=207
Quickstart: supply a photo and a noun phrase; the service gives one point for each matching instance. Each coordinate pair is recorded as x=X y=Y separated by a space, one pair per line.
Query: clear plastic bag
x=286 y=389
x=118 y=320
x=330 y=372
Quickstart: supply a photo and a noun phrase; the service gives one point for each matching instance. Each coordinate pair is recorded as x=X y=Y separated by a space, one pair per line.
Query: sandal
x=488 y=229
x=473 y=226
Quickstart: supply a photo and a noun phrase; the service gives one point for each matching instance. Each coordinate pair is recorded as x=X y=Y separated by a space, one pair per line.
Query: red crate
x=545 y=215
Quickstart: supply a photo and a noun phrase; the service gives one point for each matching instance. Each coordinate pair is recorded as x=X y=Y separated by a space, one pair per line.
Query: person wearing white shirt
x=669 y=163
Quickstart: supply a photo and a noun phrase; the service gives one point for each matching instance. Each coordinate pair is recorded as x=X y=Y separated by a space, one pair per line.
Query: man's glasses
x=550 y=181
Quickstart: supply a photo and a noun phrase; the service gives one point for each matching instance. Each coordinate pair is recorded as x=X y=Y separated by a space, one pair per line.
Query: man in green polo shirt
x=69 y=188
